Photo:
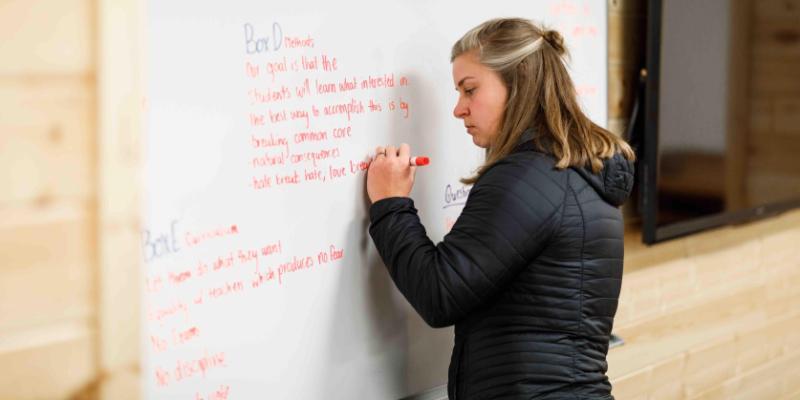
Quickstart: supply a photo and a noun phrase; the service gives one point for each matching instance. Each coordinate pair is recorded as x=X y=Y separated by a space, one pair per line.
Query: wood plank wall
x=120 y=121
x=774 y=82
x=48 y=201
x=626 y=44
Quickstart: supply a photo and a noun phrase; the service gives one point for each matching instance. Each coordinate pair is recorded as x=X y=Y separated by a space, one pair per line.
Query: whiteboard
x=260 y=279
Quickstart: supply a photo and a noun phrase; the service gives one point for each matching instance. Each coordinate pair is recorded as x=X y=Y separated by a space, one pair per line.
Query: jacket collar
x=613 y=183
x=525 y=142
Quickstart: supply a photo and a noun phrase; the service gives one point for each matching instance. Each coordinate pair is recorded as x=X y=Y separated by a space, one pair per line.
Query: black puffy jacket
x=530 y=275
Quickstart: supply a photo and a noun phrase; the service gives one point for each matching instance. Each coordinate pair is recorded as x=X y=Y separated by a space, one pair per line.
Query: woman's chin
x=479 y=142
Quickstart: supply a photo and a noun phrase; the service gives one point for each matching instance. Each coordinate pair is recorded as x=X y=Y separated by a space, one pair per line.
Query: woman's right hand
x=390 y=173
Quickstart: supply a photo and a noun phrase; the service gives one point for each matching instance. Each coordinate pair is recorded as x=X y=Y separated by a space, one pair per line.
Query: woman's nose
x=460 y=110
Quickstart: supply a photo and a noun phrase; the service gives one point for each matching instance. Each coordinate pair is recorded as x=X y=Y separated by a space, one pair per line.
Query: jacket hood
x=614 y=182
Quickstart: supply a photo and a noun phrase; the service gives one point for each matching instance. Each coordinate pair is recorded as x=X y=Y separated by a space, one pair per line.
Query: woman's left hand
x=390 y=173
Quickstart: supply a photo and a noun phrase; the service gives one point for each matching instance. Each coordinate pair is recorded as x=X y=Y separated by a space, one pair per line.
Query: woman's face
x=482 y=98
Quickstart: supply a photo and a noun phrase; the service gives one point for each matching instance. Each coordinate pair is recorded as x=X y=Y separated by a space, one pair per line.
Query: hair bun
x=555 y=40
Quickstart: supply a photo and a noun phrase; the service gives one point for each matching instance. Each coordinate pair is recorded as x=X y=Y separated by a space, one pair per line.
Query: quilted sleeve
x=510 y=214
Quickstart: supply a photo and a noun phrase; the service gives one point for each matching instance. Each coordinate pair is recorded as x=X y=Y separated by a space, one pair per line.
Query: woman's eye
x=469 y=91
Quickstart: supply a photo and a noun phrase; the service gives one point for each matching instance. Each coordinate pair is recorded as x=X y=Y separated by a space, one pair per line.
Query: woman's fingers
x=391 y=151
x=404 y=152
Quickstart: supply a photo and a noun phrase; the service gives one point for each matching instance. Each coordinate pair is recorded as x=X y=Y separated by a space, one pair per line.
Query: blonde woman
x=530 y=273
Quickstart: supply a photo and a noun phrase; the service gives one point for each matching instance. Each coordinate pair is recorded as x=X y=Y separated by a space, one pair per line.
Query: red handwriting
x=257 y=119
x=358 y=166
x=295 y=42
x=252 y=71
x=295 y=265
x=190 y=368
x=586 y=90
x=336 y=172
x=176 y=278
x=311 y=136
x=279 y=116
x=225 y=289
x=162 y=377
x=281 y=93
x=261 y=278
x=276 y=68
x=315 y=156
x=174 y=309
x=160 y=344
x=293 y=156
x=336 y=253
x=584 y=30
x=291 y=178
x=237 y=284
x=222 y=262
x=347 y=109
x=194 y=239
x=269 y=160
x=262 y=182
x=272 y=248
x=311 y=174
x=448 y=224
x=269 y=141
x=154 y=284
x=569 y=8
x=287 y=178
x=269 y=95
x=186 y=335
x=219 y=394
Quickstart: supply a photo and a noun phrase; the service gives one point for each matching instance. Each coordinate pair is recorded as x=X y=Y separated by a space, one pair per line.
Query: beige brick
x=665 y=382
x=633 y=386
x=709 y=366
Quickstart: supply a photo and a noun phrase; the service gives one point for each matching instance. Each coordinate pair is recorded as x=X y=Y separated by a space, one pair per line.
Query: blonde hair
x=541 y=96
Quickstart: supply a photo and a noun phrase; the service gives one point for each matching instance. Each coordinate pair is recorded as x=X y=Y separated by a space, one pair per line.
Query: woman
x=530 y=273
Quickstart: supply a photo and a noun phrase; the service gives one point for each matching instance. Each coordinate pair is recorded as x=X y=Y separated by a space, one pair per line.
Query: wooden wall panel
x=46 y=272
x=50 y=370
x=121 y=27
x=48 y=167
x=47 y=139
x=769 y=10
x=626 y=25
x=621 y=89
x=786 y=118
x=45 y=37
x=774 y=167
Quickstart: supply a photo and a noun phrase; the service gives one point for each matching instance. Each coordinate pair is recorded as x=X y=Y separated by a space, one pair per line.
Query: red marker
x=419 y=161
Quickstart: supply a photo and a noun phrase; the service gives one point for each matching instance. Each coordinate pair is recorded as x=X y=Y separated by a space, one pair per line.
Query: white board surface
x=261 y=281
